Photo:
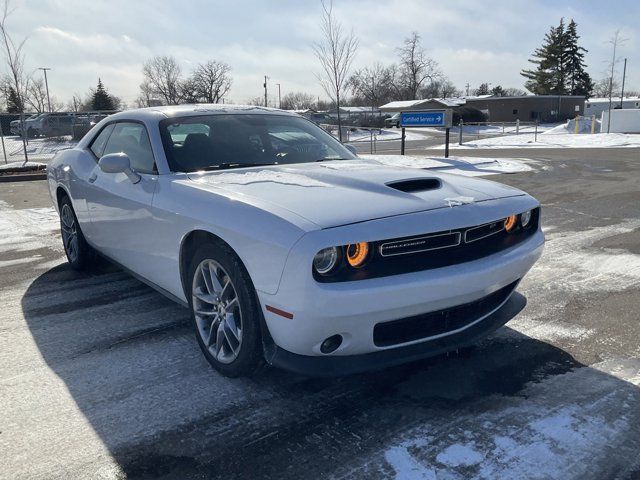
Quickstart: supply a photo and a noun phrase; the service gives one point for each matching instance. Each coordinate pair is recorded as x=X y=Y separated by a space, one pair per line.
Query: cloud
x=473 y=41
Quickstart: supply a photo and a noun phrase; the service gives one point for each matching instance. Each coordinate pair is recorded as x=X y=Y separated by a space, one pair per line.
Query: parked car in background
x=14 y=125
x=50 y=125
x=288 y=248
x=393 y=121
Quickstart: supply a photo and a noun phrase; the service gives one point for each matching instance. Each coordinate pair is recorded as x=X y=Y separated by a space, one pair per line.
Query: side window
x=132 y=139
x=97 y=146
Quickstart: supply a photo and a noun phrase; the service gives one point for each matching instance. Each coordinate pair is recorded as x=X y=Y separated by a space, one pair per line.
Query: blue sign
x=427 y=118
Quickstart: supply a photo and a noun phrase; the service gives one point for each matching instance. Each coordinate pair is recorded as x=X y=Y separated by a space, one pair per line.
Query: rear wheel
x=225 y=311
x=79 y=254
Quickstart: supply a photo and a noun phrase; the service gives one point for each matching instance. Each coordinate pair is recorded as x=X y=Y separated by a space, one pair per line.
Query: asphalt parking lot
x=101 y=377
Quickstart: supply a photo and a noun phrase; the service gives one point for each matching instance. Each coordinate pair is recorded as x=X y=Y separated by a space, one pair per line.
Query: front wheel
x=225 y=311
x=79 y=254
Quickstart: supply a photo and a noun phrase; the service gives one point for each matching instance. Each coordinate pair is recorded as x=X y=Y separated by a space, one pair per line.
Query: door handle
x=93 y=177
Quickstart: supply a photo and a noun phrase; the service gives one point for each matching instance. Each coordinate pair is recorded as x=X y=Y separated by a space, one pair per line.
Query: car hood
x=337 y=193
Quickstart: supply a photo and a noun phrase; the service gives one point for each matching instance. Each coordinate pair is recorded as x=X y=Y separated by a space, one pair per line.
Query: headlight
x=525 y=218
x=357 y=254
x=510 y=222
x=325 y=260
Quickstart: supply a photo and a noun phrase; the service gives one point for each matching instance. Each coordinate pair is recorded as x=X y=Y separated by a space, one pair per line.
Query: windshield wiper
x=224 y=166
x=331 y=159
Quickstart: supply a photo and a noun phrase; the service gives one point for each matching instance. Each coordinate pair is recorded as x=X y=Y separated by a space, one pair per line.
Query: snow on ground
x=492 y=129
x=38 y=149
x=19 y=165
x=555 y=434
x=28 y=229
x=558 y=140
x=466 y=166
x=385 y=135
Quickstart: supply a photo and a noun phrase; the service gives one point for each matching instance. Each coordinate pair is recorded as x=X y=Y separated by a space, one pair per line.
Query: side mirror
x=352 y=149
x=118 y=163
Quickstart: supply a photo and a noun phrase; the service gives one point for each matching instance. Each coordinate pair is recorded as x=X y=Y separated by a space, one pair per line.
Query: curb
x=22 y=178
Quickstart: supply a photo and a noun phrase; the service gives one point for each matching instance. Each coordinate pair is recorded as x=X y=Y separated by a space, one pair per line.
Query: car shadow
x=129 y=359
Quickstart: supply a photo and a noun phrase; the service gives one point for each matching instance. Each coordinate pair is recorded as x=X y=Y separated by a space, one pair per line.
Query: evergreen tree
x=483 y=89
x=560 y=64
x=498 y=91
x=101 y=100
x=580 y=82
x=13 y=101
x=549 y=76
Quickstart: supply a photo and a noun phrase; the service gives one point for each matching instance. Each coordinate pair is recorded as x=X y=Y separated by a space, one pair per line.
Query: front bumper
x=353 y=309
x=328 y=366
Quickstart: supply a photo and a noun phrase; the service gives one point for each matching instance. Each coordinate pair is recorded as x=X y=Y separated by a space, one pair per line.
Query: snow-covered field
x=385 y=134
x=492 y=129
x=38 y=149
x=558 y=140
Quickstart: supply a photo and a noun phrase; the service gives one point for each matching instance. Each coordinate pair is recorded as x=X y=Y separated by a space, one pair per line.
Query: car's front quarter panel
x=69 y=170
x=260 y=238
x=353 y=308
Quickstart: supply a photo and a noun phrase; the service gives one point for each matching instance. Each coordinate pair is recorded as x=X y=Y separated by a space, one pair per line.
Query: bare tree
x=210 y=81
x=298 y=101
x=514 y=92
x=162 y=79
x=335 y=52
x=256 y=101
x=14 y=57
x=440 y=87
x=415 y=67
x=36 y=95
x=375 y=84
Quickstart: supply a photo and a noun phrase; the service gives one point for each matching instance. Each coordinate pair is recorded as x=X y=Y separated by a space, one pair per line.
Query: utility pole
x=265 y=91
x=279 y=99
x=46 y=84
x=615 y=41
x=624 y=75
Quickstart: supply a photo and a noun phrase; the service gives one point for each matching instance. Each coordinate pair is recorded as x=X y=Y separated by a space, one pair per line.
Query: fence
x=353 y=133
x=497 y=128
x=54 y=127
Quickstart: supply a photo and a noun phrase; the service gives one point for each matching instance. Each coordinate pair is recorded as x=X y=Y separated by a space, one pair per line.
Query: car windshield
x=211 y=142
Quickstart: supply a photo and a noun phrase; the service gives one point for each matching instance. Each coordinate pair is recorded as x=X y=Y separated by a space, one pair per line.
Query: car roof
x=191 y=110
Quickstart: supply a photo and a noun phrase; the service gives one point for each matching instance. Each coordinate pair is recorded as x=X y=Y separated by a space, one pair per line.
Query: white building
x=595 y=106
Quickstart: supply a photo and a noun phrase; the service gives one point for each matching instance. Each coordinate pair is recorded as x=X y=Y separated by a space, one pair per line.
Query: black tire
x=250 y=357
x=81 y=256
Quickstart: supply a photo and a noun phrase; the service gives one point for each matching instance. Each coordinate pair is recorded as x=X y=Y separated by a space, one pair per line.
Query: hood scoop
x=416 y=185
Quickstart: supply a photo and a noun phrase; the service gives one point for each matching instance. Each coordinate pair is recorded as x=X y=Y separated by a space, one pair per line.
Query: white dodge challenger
x=286 y=246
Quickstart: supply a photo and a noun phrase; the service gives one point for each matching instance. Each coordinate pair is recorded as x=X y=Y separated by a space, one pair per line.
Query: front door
x=120 y=211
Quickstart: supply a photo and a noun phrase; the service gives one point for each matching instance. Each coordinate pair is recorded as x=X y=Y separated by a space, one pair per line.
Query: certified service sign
x=426 y=118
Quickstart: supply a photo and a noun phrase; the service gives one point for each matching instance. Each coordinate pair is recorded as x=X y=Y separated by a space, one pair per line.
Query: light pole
x=624 y=75
x=279 y=98
x=265 y=91
x=46 y=85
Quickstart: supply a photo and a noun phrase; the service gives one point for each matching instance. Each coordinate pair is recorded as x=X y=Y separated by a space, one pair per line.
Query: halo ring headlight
x=325 y=260
x=357 y=254
x=525 y=218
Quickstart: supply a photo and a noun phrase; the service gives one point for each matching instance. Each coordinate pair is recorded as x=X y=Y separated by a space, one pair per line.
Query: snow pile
x=21 y=166
x=584 y=126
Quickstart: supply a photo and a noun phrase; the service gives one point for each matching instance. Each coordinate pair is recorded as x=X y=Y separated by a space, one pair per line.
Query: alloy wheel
x=69 y=232
x=217 y=311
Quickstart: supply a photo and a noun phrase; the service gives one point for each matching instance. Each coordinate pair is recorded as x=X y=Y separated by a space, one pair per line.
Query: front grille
x=395 y=256
x=439 y=322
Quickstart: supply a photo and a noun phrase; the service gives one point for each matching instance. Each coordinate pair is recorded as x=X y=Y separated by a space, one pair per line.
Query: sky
x=473 y=41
